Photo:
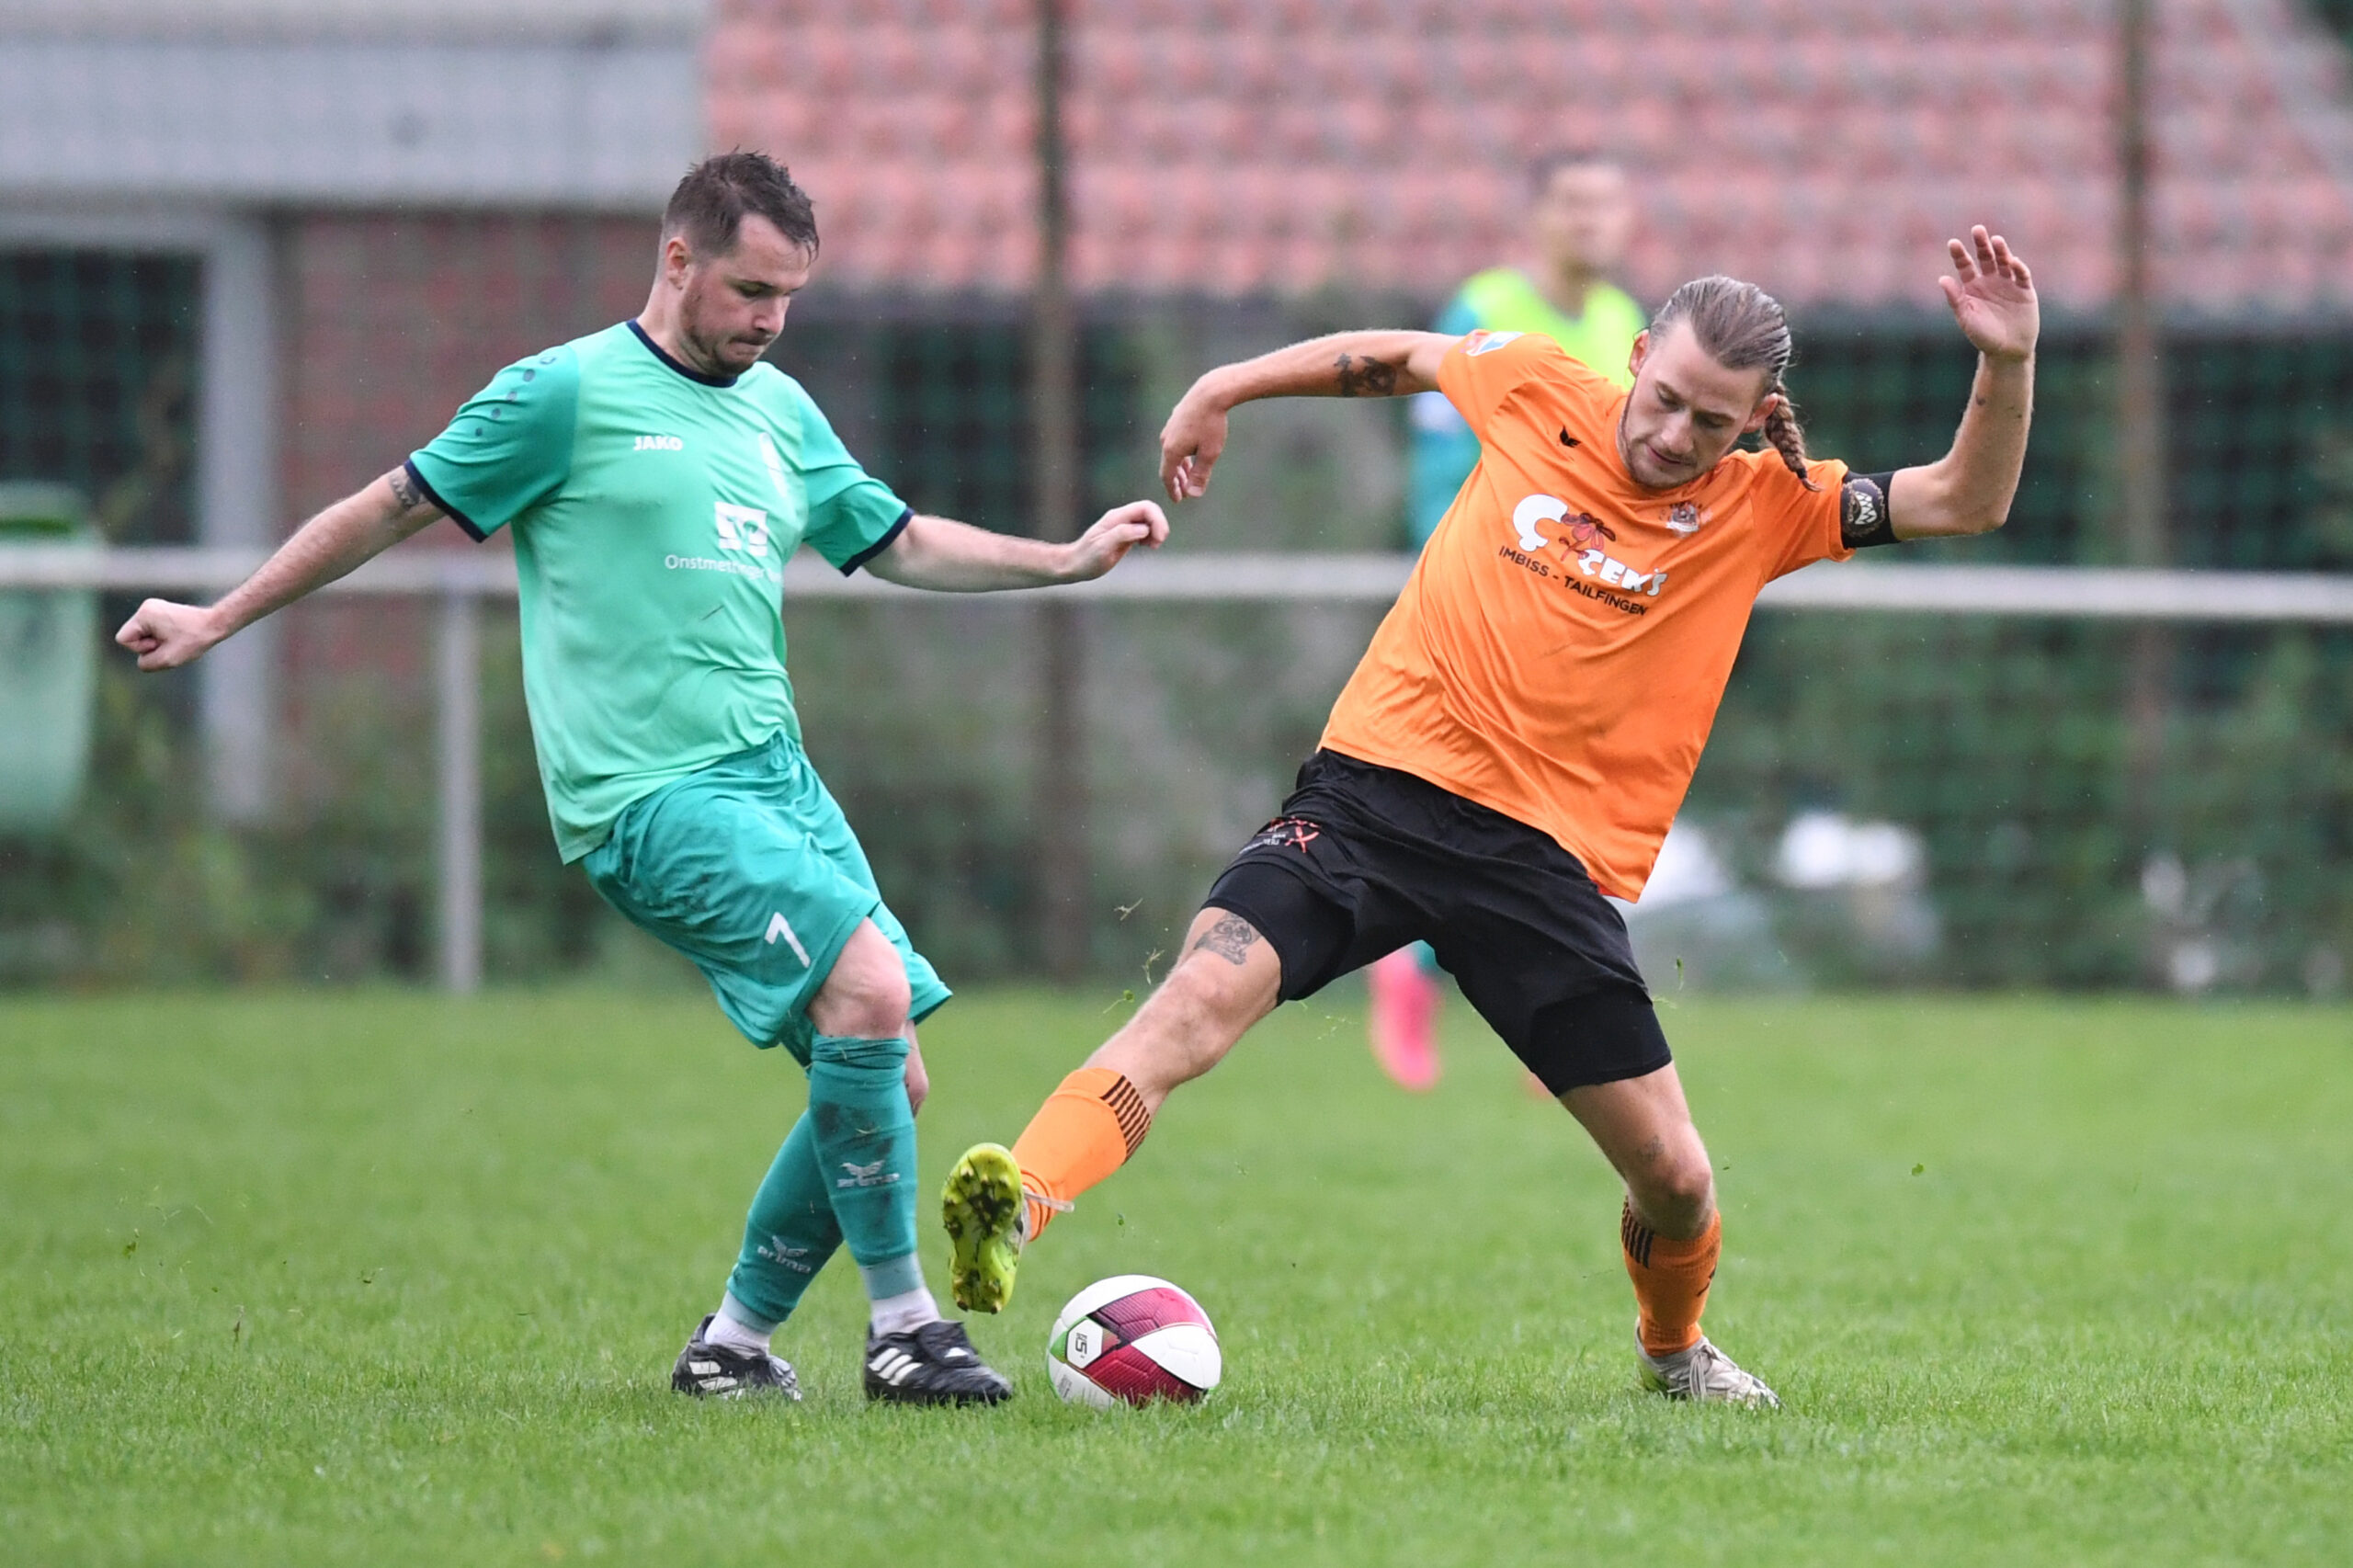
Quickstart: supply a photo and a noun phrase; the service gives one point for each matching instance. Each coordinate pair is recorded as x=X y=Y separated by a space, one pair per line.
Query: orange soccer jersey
x=1559 y=650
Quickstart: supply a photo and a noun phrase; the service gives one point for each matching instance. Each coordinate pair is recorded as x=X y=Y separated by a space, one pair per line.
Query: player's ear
x=676 y=258
x=1642 y=351
x=1764 y=407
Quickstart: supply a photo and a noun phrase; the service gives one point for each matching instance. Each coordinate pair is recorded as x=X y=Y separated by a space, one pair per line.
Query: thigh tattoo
x=1229 y=939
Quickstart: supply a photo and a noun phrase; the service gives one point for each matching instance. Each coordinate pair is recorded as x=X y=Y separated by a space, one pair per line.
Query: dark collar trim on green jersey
x=435 y=496
x=655 y=349
x=890 y=537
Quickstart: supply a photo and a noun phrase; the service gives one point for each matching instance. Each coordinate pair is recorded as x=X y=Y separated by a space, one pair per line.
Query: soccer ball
x=1134 y=1339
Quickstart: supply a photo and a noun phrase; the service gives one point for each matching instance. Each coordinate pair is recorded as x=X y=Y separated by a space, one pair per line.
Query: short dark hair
x=1552 y=160
x=711 y=203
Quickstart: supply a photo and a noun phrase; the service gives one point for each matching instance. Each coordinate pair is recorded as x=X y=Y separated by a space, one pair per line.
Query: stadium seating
x=1823 y=148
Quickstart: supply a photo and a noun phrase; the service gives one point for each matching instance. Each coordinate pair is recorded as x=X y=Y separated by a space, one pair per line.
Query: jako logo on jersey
x=867 y=1176
x=659 y=444
x=1685 y=517
x=743 y=527
x=1488 y=342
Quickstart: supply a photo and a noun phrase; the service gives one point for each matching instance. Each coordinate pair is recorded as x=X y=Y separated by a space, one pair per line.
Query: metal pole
x=457 y=863
x=2140 y=364
x=237 y=495
x=1064 y=862
x=2139 y=417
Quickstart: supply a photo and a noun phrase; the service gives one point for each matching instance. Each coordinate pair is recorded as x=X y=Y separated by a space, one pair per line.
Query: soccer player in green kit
x=657 y=476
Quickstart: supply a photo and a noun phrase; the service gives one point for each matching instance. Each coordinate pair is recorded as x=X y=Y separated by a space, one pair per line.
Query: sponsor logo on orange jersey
x=1577 y=545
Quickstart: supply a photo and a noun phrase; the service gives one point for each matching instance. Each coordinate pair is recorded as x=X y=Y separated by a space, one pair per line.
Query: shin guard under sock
x=865 y=1134
x=1086 y=1130
x=1671 y=1280
x=789 y=1235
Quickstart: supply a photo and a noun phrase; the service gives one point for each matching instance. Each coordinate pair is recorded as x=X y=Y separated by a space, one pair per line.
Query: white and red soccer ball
x=1132 y=1338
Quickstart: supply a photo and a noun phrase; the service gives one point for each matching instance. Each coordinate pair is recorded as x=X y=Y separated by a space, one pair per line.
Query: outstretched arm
x=956 y=558
x=1969 y=490
x=1346 y=363
x=166 y=635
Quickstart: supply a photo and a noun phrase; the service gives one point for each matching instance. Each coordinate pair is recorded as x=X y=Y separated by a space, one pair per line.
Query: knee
x=1229 y=973
x=1673 y=1186
x=1212 y=996
x=875 y=1006
x=867 y=994
x=1212 y=991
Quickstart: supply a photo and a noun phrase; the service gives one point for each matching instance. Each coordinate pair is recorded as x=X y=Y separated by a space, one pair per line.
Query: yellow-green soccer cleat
x=982 y=1207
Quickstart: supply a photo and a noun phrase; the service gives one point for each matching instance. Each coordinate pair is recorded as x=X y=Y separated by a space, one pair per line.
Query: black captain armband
x=1863 y=517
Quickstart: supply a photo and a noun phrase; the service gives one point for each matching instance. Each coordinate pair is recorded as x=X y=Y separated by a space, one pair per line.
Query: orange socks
x=1086 y=1130
x=1671 y=1280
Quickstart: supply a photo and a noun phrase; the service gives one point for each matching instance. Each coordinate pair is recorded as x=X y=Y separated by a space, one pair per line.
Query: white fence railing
x=461 y=580
x=2099 y=592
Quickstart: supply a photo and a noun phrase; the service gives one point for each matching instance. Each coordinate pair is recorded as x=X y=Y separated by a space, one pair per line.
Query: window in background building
x=98 y=383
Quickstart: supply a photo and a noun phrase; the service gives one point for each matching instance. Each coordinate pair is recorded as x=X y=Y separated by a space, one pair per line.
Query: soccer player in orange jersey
x=1519 y=734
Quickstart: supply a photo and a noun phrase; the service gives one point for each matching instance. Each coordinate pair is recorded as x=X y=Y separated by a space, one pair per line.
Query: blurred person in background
x=655 y=477
x=1580 y=216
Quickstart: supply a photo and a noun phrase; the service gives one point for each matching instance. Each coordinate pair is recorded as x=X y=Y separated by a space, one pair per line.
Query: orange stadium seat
x=1245 y=145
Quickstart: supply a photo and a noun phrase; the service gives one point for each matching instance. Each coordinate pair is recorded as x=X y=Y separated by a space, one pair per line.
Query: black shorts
x=1366 y=859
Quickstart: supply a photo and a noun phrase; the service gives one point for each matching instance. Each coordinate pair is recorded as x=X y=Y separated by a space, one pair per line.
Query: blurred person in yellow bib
x=1581 y=214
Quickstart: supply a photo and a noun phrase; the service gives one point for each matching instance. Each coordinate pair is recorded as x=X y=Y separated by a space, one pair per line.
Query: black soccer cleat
x=934 y=1365
x=723 y=1372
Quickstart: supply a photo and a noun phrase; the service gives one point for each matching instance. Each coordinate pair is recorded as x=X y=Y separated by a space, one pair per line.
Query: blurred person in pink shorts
x=1581 y=214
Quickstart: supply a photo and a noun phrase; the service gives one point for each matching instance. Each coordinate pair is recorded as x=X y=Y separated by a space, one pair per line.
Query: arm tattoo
x=404 y=490
x=1229 y=939
x=1367 y=376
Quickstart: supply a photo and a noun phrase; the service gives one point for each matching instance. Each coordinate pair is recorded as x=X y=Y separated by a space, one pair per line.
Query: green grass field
x=376 y=1278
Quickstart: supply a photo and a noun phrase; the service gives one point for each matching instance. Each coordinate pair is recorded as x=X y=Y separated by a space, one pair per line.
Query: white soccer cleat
x=1703 y=1375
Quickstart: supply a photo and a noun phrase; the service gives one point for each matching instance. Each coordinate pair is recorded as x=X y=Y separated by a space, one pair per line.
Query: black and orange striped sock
x=1086 y=1130
x=1671 y=1280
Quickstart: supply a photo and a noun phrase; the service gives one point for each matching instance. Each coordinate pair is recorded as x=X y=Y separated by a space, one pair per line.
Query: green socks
x=790 y=1233
x=846 y=1172
x=866 y=1151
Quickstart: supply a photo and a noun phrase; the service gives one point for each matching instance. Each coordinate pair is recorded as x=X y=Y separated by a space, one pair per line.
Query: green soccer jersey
x=653 y=510
x=1504 y=298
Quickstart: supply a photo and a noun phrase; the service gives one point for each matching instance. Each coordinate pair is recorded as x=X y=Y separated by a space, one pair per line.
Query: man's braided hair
x=1743 y=328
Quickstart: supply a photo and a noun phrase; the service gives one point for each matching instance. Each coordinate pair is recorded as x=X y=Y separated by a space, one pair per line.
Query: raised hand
x=1992 y=295
x=1115 y=533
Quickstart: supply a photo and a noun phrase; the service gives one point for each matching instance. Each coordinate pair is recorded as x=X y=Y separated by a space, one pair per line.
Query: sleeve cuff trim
x=434 y=495
x=888 y=537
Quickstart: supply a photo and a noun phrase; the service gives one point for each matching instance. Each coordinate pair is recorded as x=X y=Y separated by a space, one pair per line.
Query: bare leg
x=1643 y=1128
x=866 y=993
x=1671 y=1240
x=1226 y=980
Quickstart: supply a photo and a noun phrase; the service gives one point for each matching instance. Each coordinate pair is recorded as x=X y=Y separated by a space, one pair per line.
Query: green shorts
x=749 y=869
